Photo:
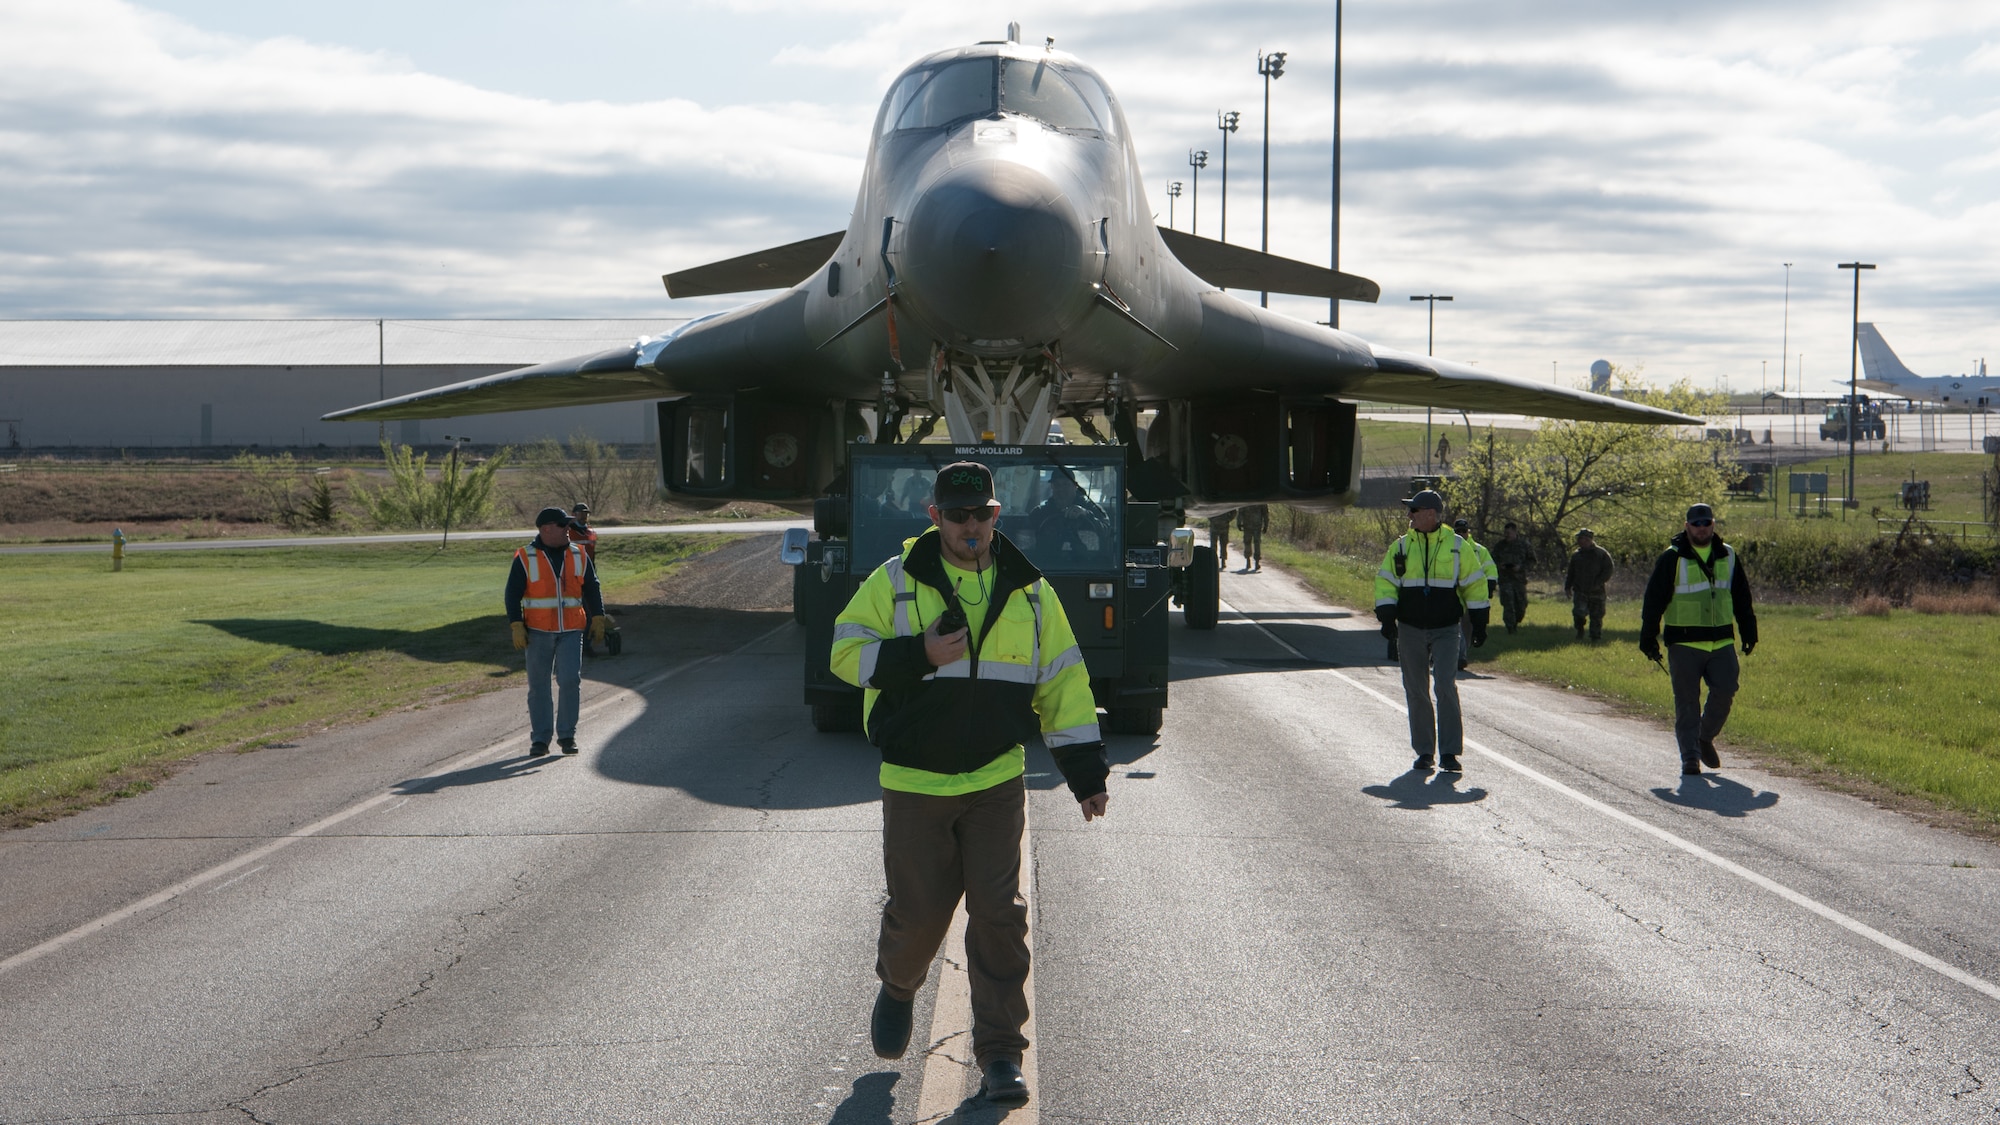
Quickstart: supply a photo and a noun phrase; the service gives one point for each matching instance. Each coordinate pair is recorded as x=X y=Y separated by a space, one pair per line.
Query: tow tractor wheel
x=837 y=718
x=1203 y=604
x=1133 y=720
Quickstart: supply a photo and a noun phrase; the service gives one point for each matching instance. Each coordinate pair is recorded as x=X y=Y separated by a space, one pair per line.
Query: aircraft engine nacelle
x=751 y=446
x=1262 y=447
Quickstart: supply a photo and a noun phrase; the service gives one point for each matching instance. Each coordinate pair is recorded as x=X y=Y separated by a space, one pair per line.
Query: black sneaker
x=1423 y=762
x=1003 y=1083
x=1449 y=764
x=1690 y=769
x=568 y=745
x=1709 y=757
x=889 y=1026
x=537 y=749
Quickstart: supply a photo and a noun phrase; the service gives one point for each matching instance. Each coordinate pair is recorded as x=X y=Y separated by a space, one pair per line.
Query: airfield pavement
x=408 y=920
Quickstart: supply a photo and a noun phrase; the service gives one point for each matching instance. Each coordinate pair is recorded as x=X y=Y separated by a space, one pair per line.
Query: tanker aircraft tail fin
x=1878 y=362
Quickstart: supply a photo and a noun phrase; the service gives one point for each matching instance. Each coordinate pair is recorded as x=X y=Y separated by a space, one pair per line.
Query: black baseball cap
x=1461 y=524
x=1701 y=512
x=1428 y=498
x=549 y=516
x=964 y=484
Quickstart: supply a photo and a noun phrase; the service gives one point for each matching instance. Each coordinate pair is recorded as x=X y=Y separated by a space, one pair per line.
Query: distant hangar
x=231 y=384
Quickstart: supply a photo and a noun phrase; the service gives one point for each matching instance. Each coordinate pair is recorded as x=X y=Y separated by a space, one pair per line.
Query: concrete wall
x=269 y=406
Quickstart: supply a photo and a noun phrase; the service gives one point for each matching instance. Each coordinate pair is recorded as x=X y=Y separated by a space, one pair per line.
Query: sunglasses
x=1700 y=523
x=968 y=515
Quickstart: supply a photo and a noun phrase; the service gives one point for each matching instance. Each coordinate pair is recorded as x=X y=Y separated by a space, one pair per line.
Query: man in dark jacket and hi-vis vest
x=1700 y=591
x=1428 y=579
x=552 y=601
x=964 y=653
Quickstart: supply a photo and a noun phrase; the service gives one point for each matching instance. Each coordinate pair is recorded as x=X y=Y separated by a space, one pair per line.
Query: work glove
x=1478 y=636
x=596 y=629
x=520 y=635
x=1650 y=647
x=1747 y=646
x=1386 y=614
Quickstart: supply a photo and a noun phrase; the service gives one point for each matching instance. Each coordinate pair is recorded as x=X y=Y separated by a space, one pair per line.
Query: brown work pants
x=934 y=850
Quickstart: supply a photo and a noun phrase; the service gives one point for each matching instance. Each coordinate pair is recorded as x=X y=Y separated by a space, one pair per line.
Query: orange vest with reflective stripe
x=584 y=537
x=553 y=603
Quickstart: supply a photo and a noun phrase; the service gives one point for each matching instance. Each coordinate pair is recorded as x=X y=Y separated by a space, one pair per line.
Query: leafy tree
x=1631 y=483
x=588 y=470
x=412 y=499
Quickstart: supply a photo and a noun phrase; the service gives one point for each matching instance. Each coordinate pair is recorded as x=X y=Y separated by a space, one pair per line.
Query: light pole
x=450 y=487
x=1785 y=349
x=1270 y=67
x=1853 y=377
x=1430 y=348
x=1333 y=303
x=1173 y=193
x=1226 y=121
x=1197 y=160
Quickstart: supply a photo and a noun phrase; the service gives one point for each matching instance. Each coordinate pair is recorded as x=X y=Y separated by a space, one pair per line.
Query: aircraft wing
x=607 y=376
x=1239 y=267
x=1415 y=380
x=780 y=267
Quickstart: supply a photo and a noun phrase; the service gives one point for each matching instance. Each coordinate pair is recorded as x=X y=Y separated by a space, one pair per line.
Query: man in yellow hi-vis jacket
x=964 y=653
x=1428 y=579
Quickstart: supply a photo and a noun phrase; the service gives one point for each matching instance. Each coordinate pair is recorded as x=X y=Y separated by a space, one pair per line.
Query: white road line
x=463 y=761
x=951 y=1074
x=1844 y=921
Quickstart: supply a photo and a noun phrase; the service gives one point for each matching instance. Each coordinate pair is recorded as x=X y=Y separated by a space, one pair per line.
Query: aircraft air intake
x=994 y=252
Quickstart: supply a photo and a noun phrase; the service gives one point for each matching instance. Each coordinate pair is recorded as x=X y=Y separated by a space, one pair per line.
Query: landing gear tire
x=1133 y=720
x=837 y=718
x=1202 y=606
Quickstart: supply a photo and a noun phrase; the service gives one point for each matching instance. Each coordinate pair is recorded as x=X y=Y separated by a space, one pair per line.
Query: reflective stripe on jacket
x=1440 y=578
x=553 y=603
x=1022 y=674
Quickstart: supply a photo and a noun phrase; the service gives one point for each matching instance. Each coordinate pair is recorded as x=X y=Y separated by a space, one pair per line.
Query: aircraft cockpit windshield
x=1067 y=98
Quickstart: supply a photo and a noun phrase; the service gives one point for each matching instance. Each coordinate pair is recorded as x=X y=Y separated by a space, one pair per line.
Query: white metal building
x=236 y=383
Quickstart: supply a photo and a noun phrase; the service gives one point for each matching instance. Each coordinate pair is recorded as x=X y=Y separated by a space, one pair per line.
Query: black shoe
x=1449 y=764
x=568 y=745
x=1004 y=1084
x=1690 y=769
x=1510 y=626
x=1423 y=762
x=1709 y=757
x=1463 y=663
x=537 y=749
x=889 y=1027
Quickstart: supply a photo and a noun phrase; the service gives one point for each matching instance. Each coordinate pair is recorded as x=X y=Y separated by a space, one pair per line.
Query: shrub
x=1871 y=605
x=1965 y=602
x=290 y=494
x=412 y=499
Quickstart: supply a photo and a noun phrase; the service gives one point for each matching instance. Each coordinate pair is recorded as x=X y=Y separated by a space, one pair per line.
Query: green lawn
x=110 y=675
x=1906 y=701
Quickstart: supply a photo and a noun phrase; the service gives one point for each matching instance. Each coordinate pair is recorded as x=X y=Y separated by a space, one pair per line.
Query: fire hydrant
x=117 y=548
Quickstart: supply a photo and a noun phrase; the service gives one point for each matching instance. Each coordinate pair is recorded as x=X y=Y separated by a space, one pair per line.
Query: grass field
x=111 y=675
x=1906 y=701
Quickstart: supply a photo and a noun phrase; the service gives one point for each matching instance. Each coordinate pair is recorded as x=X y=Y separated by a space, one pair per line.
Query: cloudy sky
x=1588 y=180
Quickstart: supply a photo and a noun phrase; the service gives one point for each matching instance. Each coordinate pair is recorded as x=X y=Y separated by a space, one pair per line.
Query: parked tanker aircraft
x=1882 y=371
x=1002 y=268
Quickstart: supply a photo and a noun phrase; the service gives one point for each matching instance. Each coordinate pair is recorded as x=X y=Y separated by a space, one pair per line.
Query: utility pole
x=1173 y=193
x=1197 y=160
x=1785 y=349
x=1853 y=377
x=1271 y=66
x=381 y=383
x=1333 y=303
x=1430 y=348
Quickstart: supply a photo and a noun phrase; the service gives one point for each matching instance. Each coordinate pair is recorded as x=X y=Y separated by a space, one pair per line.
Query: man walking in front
x=552 y=601
x=1515 y=557
x=1251 y=520
x=964 y=653
x=1428 y=579
x=1218 y=536
x=1699 y=590
x=1589 y=570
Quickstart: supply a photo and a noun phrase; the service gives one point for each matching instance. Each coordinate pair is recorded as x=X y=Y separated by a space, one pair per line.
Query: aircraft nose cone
x=994 y=251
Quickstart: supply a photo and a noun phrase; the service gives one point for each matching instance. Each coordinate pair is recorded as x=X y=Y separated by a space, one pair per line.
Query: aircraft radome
x=1002 y=268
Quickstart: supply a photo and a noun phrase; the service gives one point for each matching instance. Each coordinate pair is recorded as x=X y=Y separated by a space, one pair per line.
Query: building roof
x=307 y=343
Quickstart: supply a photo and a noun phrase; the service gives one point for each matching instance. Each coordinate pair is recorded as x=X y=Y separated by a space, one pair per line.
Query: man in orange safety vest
x=552 y=601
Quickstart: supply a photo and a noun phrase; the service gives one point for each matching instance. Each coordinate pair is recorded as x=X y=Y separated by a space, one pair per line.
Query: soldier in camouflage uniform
x=1515 y=557
x=1589 y=569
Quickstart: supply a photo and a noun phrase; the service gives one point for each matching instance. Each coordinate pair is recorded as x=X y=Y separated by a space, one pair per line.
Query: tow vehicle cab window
x=1037 y=89
x=1067 y=521
x=931 y=98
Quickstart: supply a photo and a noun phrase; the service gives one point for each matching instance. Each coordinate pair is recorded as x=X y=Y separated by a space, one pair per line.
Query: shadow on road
x=479 y=639
x=1421 y=789
x=871 y=1102
x=502 y=770
x=1717 y=794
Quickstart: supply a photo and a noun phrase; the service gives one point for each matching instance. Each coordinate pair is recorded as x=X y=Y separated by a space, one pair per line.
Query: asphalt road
x=409 y=921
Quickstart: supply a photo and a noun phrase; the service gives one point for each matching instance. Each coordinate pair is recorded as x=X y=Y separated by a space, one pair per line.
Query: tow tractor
x=1867 y=416
x=1064 y=506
